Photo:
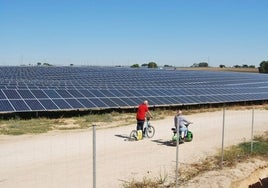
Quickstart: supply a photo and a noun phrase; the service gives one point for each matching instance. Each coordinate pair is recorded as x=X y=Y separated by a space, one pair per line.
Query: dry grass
x=114 y=119
x=227 y=69
x=159 y=182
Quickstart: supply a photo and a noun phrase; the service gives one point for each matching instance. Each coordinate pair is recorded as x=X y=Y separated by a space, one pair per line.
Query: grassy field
x=114 y=119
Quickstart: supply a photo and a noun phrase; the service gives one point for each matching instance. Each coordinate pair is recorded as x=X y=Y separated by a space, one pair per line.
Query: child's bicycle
x=148 y=131
x=188 y=137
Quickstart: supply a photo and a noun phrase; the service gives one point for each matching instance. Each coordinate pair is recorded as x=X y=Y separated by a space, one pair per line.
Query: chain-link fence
x=122 y=162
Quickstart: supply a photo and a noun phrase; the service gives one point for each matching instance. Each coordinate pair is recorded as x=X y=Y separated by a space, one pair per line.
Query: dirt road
x=64 y=159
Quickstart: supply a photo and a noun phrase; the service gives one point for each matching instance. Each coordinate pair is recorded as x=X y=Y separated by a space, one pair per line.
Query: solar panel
x=153 y=101
x=109 y=102
x=119 y=102
x=107 y=93
x=62 y=104
x=157 y=100
x=39 y=94
x=97 y=102
x=136 y=92
x=63 y=93
x=11 y=94
x=75 y=104
x=48 y=104
x=38 y=88
x=87 y=103
x=5 y=106
x=34 y=105
x=19 y=105
x=165 y=100
x=97 y=93
x=153 y=92
x=138 y=100
x=179 y=100
x=129 y=102
x=126 y=93
x=75 y=93
x=51 y=93
x=87 y=93
x=171 y=100
x=116 y=93
x=145 y=93
x=2 y=95
x=26 y=94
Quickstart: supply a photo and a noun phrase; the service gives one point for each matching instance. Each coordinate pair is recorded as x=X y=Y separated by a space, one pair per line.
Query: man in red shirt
x=142 y=111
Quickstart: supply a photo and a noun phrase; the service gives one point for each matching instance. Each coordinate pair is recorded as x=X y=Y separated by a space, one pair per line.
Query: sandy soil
x=64 y=159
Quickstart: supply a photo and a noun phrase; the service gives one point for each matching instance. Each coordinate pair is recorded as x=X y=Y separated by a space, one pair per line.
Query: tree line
x=263 y=68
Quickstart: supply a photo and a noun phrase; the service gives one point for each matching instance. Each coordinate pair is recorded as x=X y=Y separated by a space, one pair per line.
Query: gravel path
x=64 y=159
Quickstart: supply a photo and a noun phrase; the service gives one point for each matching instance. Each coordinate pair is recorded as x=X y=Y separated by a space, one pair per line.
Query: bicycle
x=188 y=137
x=148 y=131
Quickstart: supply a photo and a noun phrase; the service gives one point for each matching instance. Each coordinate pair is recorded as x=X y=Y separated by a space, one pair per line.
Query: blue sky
x=127 y=32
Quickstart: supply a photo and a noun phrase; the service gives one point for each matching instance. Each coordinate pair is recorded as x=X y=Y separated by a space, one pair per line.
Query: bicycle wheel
x=150 y=131
x=133 y=135
x=189 y=136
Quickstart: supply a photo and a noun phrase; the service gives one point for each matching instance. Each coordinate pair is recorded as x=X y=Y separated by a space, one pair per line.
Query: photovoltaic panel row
x=70 y=94
x=20 y=105
x=71 y=88
x=73 y=77
x=24 y=105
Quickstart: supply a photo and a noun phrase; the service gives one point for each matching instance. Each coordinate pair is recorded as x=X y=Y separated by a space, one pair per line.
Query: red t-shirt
x=141 y=113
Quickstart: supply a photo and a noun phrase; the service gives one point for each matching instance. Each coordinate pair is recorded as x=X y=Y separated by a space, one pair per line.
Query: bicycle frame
x=148 y=129
x=146 y=124
x=177 y=135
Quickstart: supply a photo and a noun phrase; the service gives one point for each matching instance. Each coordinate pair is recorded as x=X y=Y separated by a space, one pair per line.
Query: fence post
x=177 y=159
x=252 y=126
x=222 y=143
x=94 y=156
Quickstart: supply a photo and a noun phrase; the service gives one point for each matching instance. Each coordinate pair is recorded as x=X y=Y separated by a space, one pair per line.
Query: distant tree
x=237 y=66
x=46 y=64
x=251 y=66
x=195 y=65
x=222 y=66
x=39 y=63
x=144 y=65
x=135 y=66
x=152 y=65
x=263 y=67
x=71 y=64
x=168 y=66
x=203 y=64
x=244 y=66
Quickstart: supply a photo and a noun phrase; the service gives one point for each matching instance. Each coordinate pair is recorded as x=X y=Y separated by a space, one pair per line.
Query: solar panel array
x=33 y=88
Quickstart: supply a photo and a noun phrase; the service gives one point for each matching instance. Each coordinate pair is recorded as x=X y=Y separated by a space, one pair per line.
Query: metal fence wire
x=217 y=130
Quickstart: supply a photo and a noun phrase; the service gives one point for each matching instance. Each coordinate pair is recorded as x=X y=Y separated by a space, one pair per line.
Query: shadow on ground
x=165 y=142
x=121 y=136
x=125 y=137
x=262 y=183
